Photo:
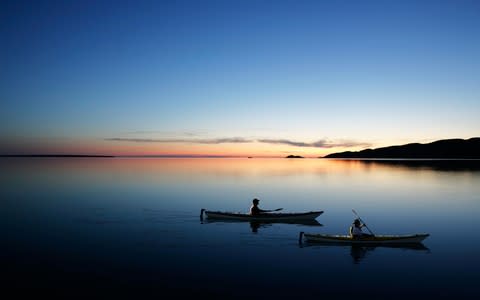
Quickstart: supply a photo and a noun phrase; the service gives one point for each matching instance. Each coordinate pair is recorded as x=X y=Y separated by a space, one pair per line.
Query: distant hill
x=451 y=148
x=294 y=156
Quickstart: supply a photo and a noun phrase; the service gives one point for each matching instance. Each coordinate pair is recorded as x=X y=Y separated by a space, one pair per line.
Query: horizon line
x=144 y=156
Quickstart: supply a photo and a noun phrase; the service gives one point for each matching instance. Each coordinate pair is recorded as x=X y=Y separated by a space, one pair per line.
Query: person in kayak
x=356 y=230
x=255 y=210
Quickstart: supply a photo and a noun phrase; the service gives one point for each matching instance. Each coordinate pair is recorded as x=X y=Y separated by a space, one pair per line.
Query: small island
x=294 y=156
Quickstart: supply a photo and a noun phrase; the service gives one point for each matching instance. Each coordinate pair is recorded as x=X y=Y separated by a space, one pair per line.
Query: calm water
x=131 y=227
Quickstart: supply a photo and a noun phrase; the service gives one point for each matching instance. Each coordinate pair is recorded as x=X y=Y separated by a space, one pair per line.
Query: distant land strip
x=441 y=149
x=53 y=155
x=180 y=156
x=119 y=156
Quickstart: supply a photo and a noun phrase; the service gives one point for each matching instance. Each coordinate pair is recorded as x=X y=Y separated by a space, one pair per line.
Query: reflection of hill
x=452 y=148
x=432 y=164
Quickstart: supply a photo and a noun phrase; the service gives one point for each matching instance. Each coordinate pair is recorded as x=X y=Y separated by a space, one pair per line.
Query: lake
x=110 y=227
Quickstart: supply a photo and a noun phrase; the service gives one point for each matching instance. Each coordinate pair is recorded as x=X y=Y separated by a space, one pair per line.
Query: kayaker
x=356 y=230
x=255 y=210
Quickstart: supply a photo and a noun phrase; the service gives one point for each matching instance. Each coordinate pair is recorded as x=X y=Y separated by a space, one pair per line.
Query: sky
x=236 y=78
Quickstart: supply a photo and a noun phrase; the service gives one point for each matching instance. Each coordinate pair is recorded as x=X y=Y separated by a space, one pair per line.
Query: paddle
x=273 y=210
x=362 y=221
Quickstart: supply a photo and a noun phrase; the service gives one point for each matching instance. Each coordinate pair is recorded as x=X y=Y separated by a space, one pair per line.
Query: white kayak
x=377 y=239
x=270 y=217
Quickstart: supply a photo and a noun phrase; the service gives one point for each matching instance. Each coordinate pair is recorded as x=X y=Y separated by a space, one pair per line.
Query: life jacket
x=358 y=231
x=254 y=210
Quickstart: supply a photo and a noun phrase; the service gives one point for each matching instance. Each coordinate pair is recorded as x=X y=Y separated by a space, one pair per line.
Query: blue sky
x=167 y=76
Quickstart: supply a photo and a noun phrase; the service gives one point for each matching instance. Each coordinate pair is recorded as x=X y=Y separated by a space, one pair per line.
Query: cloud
x=348 y=144
x=318 y=144
x=165 y=133
x=193 y=141
x=285 y=142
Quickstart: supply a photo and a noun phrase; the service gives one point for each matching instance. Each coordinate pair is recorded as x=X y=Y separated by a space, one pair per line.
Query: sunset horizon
x=243 y=79
x=218 y=153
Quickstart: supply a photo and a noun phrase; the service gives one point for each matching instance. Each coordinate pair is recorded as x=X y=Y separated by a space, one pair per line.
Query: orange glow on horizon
x=125 y=148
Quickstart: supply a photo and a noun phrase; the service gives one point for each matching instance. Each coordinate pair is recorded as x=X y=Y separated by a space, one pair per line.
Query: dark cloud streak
x=318 y=144
x=285 y=142
x=192 y=141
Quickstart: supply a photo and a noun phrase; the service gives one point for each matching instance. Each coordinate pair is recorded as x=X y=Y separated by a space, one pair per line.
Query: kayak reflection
x=360 y=252
x=255 y=225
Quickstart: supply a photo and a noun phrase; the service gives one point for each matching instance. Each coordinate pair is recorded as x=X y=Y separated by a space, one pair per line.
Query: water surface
x=131 y=227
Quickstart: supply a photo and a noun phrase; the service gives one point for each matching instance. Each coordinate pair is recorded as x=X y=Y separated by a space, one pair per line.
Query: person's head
x=255 y=201
x=356 y=222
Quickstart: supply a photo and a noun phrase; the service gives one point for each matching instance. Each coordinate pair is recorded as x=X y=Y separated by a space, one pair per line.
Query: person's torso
x=254 y=210
x=356 y=231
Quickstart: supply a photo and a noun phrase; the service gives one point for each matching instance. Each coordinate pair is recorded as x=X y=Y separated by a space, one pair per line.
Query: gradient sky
x=256 y=78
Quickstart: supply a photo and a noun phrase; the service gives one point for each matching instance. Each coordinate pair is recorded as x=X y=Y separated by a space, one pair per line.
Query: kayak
x=377 y=239
x=268 y=217
x=257 y=223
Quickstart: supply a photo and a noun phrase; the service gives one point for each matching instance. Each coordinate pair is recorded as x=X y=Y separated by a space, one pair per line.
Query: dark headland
x=442 y=149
